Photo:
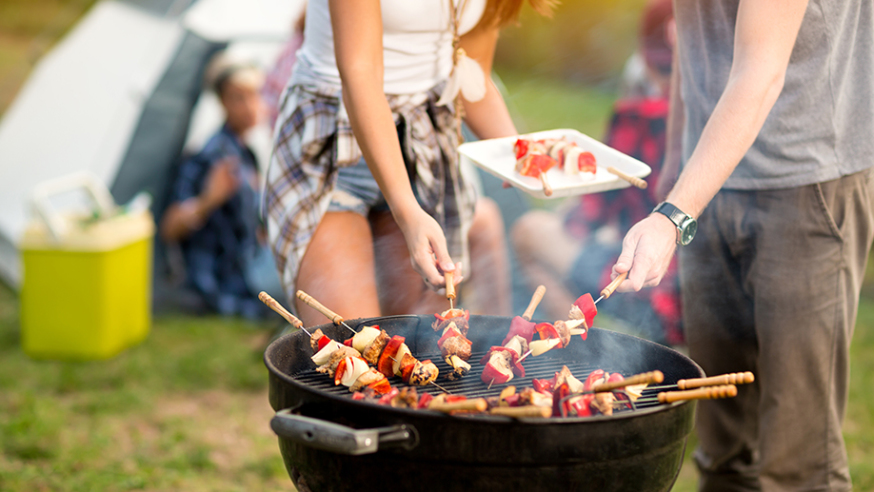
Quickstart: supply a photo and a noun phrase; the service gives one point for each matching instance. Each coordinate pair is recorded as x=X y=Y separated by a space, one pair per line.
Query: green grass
x=186 y=410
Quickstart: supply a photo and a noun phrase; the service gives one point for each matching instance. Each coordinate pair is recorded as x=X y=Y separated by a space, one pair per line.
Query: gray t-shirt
x=822 y=125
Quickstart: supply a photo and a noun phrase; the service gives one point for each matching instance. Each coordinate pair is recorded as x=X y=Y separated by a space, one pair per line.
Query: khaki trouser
x=771 y=285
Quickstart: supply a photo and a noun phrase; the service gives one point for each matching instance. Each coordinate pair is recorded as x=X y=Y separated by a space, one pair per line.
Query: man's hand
x=646 y=252
x=221 y=183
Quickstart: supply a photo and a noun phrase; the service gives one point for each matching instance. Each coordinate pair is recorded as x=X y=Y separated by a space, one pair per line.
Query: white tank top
x=417 y=43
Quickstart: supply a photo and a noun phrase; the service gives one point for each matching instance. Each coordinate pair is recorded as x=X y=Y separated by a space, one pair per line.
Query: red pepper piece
x=581 y=406
x=385 y=364
x=323 y=341
x=358 y=395
x=594 y=376
x=513 y=400
x=386 y=398
x=536 y=164
x=491 y=375
x=586 y=163
x=424 y=400
x=347 y=342
x=547 y=332
x=380 y=387
x=521 y=147
x=522 y=327
x=454 y=398
x=560 y=409
x=543 y=385
x=449 y=334
x=338 y=374
x=587 y=306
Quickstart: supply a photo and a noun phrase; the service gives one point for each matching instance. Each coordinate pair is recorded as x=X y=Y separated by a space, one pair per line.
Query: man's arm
x=765 y=34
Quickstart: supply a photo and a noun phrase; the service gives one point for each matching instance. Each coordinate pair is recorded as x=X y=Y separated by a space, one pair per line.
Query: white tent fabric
x=84 y=104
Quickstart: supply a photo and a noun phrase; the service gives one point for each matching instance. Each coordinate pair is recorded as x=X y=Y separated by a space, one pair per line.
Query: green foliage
x=586 y=41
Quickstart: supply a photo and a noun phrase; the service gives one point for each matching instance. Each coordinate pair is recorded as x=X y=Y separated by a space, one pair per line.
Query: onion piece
x=399 y=356
x=539 y=347
x=574 y=384
x=323 y=356
x=515 y=345
x=363 y=338
x=355 y=367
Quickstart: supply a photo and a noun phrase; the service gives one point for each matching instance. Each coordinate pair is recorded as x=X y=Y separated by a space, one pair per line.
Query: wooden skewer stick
x=520 y=412
x=733 y=378
x=644 y=378
x=274 y=305
x=608 y=291
x=331 y=315
x=710 y=393
x=547 y=190
x=635 y=181
x=535 y=300
x=476 y=405
x=450 y=288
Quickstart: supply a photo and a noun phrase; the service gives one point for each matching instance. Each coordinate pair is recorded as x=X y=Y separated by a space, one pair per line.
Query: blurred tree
x=586 y=41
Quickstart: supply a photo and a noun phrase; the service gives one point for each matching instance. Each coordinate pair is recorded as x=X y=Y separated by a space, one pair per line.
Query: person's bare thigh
x=401 y=289
x=539 y=235
x=338 y=270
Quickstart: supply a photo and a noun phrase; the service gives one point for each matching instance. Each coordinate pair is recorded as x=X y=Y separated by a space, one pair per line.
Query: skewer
x=635 y=181
x=608 y=291
x=430 y=382
x=643 y=378
x=525 y=411
x=732 y=378
x=711 y=393
x=274 y=305
x=547 y=190
x=450 y=288
x=476 y=405
x=331 y=315
x=535 y=300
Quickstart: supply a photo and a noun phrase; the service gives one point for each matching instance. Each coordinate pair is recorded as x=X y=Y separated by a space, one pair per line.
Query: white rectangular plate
x=496 y=157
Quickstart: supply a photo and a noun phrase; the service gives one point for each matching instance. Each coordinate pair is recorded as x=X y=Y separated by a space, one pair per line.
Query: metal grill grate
x=472 y=387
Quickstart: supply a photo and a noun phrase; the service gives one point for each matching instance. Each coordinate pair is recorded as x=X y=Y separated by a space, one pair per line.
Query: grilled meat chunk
x=341 y=353
x=314 y=340
x=372 y=352
x=423 y=373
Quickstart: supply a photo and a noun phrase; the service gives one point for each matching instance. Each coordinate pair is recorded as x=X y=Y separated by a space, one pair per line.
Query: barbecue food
x=392 y=357
x=502 y=363
x=345 y=365
x=453 y=343
x=556 y=335
x=584 y=308
x=534 y=157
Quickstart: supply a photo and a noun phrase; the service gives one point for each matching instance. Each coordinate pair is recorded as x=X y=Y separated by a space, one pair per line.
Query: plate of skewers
x=556 y=163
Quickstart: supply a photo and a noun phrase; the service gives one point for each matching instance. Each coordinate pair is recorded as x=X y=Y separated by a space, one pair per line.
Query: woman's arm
x=357 y=26
x=765 y=35
x=488 y=117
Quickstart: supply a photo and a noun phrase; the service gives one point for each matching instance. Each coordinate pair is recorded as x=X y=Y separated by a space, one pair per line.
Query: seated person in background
x=573 y=253
x=214 y=213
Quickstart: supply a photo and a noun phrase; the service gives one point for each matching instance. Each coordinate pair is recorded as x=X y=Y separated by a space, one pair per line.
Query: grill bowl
x=639 y=450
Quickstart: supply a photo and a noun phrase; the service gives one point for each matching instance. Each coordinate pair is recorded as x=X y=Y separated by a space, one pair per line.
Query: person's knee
x=488 y=223
x=526 y=228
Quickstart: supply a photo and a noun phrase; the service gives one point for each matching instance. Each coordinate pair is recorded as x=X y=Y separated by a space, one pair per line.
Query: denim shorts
x=357 y=191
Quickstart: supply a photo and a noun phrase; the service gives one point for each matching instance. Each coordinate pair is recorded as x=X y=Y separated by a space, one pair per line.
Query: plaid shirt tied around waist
x=314 y=138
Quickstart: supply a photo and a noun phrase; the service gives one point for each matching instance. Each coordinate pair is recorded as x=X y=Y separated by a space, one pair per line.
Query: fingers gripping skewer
x=274 y=305
x=635 y=181
x=535 y=300
x=450 y=288
x=331 y=315
x=608 y=291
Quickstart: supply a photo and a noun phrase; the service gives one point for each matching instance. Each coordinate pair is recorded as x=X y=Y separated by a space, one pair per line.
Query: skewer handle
x=274 y=305
x=733 y=378
x=608 y=291
x=635 y=181
x=475 y=405
x=535 y=300
x=547 y=190
x=710 y=393
x=644 y=378
x=450 y=284
x=521 y=412
x=309 y=301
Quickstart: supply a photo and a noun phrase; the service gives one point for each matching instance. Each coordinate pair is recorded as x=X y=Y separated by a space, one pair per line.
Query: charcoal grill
x=331 y=442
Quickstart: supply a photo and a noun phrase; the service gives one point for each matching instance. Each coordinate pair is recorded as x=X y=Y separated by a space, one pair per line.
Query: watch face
x=687 y=232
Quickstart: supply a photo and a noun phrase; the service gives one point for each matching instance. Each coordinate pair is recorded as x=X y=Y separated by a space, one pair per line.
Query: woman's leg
x=546 y=254
x=488 y=291
x=338 y=270
x=401 y=289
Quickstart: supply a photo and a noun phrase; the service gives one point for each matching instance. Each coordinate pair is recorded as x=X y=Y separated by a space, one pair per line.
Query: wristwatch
x=686 y=225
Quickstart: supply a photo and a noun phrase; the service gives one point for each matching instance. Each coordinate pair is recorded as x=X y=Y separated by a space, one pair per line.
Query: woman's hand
x=428 y=253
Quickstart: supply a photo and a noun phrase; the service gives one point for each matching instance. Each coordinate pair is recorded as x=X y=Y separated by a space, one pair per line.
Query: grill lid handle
x=336 y=438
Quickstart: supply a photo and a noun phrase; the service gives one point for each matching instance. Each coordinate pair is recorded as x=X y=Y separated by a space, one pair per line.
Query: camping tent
x=117 y=95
